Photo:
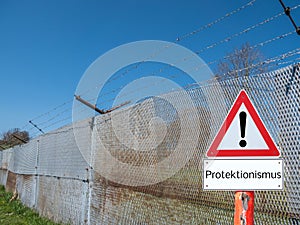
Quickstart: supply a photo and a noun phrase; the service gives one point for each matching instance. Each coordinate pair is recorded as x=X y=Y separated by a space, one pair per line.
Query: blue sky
x=46 y=46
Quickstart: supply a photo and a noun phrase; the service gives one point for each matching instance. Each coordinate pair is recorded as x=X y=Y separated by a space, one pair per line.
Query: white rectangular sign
x=243 y=174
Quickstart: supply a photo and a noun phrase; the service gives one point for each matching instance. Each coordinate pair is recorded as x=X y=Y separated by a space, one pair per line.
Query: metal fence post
x=36 y=175
x=244 y=208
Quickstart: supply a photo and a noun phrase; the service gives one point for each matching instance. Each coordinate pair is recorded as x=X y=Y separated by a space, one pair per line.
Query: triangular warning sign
x=243 y=133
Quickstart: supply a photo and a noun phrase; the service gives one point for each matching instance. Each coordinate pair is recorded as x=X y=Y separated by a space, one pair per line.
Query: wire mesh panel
x=3 y=172
x=166 y=202
x=3 y=177
x=1 y=158
x=123 y=205
x=280 y=116
x=24 y=158
x=26 y=187
x=62 y=200
x=288 y=98
x=58 y=153
x=6 y=158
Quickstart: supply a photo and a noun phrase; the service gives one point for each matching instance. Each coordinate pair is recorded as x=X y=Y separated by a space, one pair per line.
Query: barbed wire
x=270 y=60
x=202 y=28
x=59 y=121
x=225 y=40
x=265 y=62
x=277 y=60
x=207 y=47
x=209 y=25
x=53 y=117
x=168 y=46
x=55 y=108
x=297 y=60
x=229 y=38
x=260 y=44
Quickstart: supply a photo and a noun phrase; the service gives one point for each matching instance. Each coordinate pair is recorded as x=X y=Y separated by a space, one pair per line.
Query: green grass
x=15 y=213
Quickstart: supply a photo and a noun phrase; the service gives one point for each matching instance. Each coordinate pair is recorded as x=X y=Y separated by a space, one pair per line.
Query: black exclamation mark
x=243 y=117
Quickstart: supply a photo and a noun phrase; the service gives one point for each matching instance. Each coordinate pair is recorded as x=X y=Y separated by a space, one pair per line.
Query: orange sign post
x=244 y=208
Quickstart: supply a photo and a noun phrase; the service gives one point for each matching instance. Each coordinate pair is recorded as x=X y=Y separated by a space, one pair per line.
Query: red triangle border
x=271 y=152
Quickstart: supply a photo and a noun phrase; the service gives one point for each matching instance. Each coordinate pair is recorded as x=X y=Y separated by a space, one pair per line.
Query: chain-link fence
x=62 y=177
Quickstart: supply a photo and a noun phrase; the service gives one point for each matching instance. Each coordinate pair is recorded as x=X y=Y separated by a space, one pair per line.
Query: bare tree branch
x=9 y=139
x=240 y=63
